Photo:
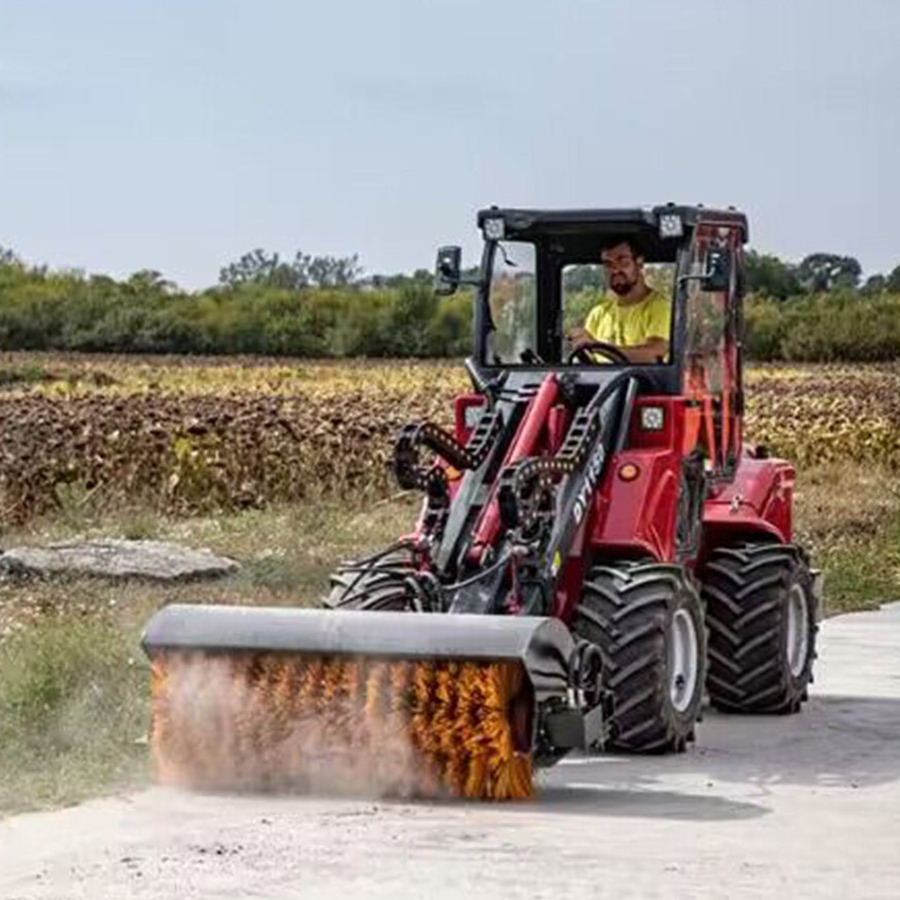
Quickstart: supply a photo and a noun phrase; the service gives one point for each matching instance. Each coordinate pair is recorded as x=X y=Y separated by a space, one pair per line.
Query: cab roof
x=644 y=221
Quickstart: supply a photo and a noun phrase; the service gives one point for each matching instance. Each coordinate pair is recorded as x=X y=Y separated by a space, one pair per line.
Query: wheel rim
x=797 y=644
x=683 y=659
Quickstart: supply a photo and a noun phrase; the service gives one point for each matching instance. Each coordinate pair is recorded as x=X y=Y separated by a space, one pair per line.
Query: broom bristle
x=402 y=728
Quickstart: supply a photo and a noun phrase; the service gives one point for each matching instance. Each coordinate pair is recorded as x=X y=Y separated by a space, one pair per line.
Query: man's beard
x=621 y=285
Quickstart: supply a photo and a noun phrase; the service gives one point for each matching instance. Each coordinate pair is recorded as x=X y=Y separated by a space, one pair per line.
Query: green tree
x=8 y=257
x=414 y=310
x=769 y=276
x=823 y=272
x=893 y=281
x=334 y=271
x=149 y=281
x=583 y=277
x=875 y=284
x=260 y=268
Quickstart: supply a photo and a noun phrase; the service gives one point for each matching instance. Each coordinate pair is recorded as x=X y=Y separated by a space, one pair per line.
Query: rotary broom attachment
x=393 y=704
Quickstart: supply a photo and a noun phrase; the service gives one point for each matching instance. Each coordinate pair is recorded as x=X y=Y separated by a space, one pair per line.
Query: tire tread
x=744 y=589
x=624 y=609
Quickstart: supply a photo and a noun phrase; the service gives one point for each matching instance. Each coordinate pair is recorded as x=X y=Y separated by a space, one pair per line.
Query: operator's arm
x=654 y=346
x=590 y=332
x=652 y=350
x=579 y=337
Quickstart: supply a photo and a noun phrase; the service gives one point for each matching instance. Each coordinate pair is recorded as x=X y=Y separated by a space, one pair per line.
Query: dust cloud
x=266 y=724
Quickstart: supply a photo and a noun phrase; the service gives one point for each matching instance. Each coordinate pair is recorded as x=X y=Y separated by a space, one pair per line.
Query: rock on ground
x=113 y=558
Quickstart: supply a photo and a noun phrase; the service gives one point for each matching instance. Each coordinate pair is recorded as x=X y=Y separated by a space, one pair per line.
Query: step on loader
x=596 y=547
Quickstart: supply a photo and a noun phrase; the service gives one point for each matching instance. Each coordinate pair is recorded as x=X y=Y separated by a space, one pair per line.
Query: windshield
x=630 y=314
x=616 y=308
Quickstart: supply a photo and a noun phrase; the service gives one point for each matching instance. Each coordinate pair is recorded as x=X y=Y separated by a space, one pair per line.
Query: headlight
x=472 y=415
x=652 y=418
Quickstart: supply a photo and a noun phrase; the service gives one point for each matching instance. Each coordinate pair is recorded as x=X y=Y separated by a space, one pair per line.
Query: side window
x=513 y=299
x=707 y=317
x=711 y=354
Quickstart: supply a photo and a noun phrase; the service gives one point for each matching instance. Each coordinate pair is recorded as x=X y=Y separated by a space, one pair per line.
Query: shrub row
x=835 y=327
x=42 y=310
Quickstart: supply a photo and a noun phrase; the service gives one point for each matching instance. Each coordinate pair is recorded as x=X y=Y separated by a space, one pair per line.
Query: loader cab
x=541 y=273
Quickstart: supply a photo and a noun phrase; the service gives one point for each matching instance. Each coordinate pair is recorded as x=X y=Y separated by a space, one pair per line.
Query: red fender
x=760 y=500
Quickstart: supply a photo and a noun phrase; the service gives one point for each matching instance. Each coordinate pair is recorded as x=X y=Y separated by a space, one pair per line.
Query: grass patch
x=864 y=578
x=73 y=713
x=848 y=517
x=24 y=374
x=74 y=683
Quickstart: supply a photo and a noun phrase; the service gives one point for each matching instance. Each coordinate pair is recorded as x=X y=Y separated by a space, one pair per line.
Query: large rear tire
x=761 y=613
x=647 y=619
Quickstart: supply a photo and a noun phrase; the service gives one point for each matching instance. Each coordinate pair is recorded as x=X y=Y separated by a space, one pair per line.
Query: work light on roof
x=494 y=229
x=670 y=225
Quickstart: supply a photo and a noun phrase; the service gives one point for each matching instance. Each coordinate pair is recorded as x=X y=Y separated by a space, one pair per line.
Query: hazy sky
x=177 y=134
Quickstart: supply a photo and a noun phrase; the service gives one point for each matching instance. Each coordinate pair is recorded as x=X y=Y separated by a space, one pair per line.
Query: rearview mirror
x=716 y=270
x=447 y=270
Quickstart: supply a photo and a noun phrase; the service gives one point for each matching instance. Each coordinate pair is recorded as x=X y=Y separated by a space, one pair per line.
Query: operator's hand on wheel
x=579 y=337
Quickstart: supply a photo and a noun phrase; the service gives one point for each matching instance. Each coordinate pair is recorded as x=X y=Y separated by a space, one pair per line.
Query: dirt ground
x=802 y=806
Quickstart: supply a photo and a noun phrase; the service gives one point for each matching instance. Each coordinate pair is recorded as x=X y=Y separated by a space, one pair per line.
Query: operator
x=634 y=318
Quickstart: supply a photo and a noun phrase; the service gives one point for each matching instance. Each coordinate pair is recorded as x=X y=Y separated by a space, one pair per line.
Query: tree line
x=818 y=273
x=304 y=306
x=819 y=309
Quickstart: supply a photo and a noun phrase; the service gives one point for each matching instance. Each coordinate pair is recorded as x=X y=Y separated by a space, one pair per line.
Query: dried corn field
x=819 y=414
x=190 y=437
x=186 y=435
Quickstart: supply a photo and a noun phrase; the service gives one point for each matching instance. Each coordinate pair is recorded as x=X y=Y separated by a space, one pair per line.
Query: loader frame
x=588 y=527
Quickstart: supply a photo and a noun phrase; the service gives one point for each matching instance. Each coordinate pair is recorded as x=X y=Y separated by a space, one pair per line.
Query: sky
x=178 y=134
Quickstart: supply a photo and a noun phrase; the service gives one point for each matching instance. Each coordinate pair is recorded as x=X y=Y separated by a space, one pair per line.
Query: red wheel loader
x=596 y=550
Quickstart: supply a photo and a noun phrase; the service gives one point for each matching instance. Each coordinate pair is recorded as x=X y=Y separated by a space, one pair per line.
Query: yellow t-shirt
x=629 y=326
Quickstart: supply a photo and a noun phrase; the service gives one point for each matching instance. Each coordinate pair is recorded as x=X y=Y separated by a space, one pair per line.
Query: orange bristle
x=276 y=721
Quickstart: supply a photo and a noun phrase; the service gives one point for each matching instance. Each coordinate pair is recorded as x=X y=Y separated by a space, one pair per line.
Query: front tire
x=761 y=613
x=377 y=585
x=647 y=619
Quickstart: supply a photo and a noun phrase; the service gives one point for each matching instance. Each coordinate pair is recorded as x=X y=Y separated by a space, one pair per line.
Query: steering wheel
x=610 y=351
